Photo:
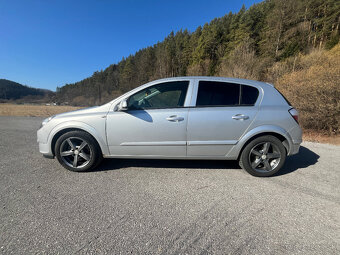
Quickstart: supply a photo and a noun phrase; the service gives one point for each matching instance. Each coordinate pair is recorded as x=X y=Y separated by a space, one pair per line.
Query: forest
x=277 y=41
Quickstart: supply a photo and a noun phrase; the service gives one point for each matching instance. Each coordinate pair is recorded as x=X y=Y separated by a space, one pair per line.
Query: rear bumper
x=295 y=134
x=294 y=149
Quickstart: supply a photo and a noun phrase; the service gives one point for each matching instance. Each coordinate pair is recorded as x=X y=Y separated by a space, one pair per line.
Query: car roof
x=213 y=78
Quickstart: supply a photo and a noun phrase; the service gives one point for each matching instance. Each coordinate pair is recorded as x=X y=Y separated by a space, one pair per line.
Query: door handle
x=240 y=117
x=174 y=118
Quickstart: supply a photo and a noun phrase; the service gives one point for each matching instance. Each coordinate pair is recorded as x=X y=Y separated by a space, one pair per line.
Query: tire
x=263 y=157
x=78 y=151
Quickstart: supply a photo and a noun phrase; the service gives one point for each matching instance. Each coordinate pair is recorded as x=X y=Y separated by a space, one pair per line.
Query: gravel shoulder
x=163 y=206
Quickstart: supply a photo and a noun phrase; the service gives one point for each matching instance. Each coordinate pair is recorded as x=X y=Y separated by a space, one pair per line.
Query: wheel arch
x=275 y=131
x=74 y=126
x=277 y=135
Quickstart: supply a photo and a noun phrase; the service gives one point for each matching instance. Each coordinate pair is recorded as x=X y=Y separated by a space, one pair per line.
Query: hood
x=103 y=109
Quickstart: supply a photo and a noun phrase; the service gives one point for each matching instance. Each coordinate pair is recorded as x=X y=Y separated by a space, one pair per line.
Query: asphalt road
x=164 y=207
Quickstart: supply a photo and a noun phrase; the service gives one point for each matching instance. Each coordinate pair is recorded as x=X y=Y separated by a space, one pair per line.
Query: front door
x=154 y=124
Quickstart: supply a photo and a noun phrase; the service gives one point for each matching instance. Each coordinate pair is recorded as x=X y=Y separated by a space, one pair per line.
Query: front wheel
x=263 y=157
x=78 y=151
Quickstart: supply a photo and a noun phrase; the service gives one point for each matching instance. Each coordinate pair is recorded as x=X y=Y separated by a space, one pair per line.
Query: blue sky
x=49 y=43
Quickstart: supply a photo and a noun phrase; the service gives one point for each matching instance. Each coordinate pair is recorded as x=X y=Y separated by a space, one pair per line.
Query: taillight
x=295 y=114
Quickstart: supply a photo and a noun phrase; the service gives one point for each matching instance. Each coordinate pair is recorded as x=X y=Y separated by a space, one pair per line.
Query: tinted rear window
x=217 y=94
x=249 y=95
x=212 y=93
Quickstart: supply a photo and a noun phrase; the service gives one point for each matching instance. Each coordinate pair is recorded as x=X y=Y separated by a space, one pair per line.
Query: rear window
x=211 y=93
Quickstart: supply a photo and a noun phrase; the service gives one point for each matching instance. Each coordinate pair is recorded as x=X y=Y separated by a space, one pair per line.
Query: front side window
x=213 y=93
x=164 y=95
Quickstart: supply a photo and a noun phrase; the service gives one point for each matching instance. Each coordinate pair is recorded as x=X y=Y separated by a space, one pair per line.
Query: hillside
x=264 y=43
x=312 y=84
x=10 y=90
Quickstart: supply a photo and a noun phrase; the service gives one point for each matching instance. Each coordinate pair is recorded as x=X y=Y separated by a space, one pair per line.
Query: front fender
x=235 y=151
x=79 y=125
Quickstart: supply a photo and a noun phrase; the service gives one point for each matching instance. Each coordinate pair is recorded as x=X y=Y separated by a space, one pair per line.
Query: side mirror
x=123 y=106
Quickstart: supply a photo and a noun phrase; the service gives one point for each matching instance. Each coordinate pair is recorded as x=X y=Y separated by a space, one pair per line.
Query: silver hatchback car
x=180 y=118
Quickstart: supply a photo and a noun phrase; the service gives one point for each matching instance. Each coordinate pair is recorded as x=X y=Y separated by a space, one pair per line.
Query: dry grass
x=33 y=110
x=313 y=136
x=314 y=89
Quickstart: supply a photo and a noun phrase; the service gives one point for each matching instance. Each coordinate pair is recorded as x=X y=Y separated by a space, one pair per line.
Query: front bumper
x=45 y=149
x=44 y=146
x=48 y=156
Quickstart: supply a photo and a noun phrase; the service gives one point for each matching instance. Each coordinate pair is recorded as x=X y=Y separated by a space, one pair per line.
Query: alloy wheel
x=75 y=152
x=264 y=157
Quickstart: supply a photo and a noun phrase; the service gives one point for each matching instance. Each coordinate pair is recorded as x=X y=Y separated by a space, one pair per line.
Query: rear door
x=223 y=112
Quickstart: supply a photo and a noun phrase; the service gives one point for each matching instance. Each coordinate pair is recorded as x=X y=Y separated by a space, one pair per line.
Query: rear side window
x=211 y=93
x=249 y=95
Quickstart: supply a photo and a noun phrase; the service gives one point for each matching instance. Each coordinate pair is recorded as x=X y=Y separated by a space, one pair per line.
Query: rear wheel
x=264 y=156
x=78 y=151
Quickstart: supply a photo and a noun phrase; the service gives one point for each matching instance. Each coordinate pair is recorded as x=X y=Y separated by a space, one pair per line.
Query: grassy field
x=33 y=110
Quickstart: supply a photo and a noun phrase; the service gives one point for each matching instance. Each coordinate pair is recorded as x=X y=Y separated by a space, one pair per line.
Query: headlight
x=45 y=121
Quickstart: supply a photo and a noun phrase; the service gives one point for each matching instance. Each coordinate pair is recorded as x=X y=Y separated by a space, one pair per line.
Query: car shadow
x=303 y=159
x=141 y=114
x=115 y=164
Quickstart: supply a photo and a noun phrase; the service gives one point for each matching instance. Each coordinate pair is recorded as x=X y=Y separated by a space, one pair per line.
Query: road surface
x=164 y=207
